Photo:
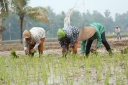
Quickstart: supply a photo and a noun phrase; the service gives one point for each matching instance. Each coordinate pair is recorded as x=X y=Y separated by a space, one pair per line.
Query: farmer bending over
x=33 y=39
x=68 y=36
x=90 y=33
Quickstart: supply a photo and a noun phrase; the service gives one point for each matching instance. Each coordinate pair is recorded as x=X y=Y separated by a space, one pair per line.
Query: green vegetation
x=22 y=10
x=13 y=54
x=34 y=51
x=57 y=21
x=125 y=50
x=57 y=70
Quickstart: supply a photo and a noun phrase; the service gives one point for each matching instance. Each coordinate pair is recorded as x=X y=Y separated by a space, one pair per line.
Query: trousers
x=105 y=43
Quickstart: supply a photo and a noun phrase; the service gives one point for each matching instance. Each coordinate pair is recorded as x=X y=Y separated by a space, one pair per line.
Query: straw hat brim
x=86 y=33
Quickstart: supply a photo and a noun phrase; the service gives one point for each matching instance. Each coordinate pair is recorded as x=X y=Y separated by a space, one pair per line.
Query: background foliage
x=78 y=19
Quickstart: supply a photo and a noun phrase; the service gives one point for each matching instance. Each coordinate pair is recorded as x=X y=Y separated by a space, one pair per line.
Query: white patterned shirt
x=36 y=34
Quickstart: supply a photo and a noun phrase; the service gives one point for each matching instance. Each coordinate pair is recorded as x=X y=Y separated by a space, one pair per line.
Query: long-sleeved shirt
x=36 y=34
x=72 y=34
x=99 y=30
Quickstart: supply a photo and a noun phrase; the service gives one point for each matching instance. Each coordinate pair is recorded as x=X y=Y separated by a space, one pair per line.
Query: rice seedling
x=97 y=63
x=126 y=72
x=117 y=81
x=125 y=50
x=98 y=76
x=71 y=83
x=106 y=79
x=95 y=53
x=86 y=80
x=67 y=77
x=64 y=71
x=13 y=54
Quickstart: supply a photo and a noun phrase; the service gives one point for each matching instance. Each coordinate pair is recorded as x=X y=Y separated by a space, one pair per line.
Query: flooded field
x=53 y=69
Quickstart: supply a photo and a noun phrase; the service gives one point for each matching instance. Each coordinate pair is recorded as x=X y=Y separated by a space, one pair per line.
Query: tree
x=97 y=17
x=107 y=13
x=88 y=18
x=3 y=13
x=56 y=21
x=76 y=19
x=21 y=9
x=12 y=28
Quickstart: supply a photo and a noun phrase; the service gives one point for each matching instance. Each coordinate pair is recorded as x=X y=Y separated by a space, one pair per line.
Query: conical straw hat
x=86 y=33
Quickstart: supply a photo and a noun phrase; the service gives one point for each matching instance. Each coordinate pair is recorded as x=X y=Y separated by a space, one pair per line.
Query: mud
x=54 y=47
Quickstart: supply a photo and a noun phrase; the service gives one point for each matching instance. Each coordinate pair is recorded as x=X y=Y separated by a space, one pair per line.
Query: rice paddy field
x=53 y=69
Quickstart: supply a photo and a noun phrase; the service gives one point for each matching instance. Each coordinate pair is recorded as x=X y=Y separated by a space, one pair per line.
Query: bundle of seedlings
x=68 y=52
x=13 y=54
x=125 y=50
x=33 y=52
x=94 y=52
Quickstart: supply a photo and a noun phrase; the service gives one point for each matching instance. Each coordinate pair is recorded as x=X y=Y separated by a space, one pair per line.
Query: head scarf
x=60 y=33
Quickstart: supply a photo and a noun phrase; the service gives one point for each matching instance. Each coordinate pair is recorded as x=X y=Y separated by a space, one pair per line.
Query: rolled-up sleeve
x=83 y=46
x=25 y=44
x=37 y=44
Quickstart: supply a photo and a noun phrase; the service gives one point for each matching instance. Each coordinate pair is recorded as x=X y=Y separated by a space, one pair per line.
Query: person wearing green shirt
x=89 y=33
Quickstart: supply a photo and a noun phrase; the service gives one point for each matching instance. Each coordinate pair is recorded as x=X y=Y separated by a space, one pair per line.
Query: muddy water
x=45 y=52
x=79 y=77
